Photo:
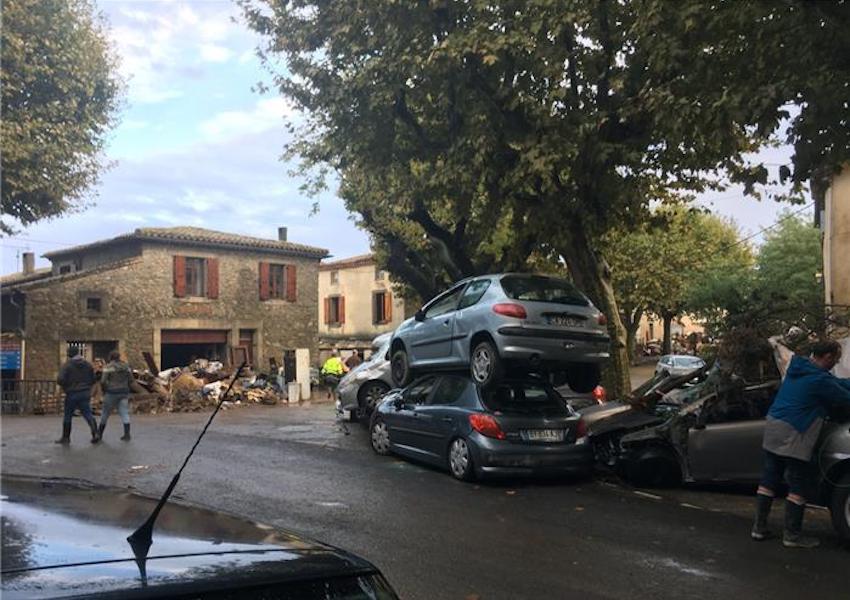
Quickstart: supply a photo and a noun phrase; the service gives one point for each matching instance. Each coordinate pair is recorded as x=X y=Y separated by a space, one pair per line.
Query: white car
x=678 y=364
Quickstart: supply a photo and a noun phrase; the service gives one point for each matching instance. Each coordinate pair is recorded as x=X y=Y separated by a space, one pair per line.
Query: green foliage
x=60 y=93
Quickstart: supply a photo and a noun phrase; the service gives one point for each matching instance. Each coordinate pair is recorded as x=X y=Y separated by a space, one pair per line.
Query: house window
x=277 y=281
x=94 y=304
x=382 y=308
x=64 y=269
x=196 y=277
x=334 y=310
x=334 y=277
x=379 y=274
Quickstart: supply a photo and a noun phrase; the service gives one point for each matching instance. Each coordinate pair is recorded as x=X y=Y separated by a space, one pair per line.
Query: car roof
x=67 y=538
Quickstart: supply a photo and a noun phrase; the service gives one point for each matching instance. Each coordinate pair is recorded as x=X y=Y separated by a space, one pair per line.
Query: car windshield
x=542 y=289
x=523 y=397
x=689 y=361
x=381 y=353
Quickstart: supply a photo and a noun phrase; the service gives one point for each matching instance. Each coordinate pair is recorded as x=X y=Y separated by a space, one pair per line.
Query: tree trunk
x=632 y=323
x=592 y=275
x=668 y=321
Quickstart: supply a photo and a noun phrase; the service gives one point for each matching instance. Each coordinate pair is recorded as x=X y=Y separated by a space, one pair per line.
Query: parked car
x=708 y=427
x=67 y=539
x=678 y=364
x=360 y=390
x=491 y=323
x=516 y=427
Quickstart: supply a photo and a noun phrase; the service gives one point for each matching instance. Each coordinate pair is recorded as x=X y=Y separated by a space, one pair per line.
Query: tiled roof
x=200 y=237
x=348 y=263
x=21 y=277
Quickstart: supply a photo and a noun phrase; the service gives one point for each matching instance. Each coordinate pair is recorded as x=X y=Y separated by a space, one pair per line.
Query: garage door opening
x=181 y=346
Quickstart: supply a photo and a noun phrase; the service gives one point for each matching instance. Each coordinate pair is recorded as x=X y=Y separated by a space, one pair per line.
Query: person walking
x=791 y=431
x=76 y=378
x=115 y=381
x=332 y=371
x=354 y=360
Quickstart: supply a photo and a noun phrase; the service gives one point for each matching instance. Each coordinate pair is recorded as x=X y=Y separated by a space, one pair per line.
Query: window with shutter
x=335 y=310
x=265 y=278
x=179 y=276
x=381 y=307
x=212 y=278
x=291 y=287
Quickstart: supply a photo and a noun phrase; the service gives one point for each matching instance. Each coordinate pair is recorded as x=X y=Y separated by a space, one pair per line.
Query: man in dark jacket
x=76 y=378
x=115 y=381
x=793 y=425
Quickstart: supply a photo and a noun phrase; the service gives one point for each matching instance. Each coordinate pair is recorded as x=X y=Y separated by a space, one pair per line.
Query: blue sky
x=196 y=146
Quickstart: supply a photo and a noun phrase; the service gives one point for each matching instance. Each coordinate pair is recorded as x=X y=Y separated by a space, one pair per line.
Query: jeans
x=77 y=400
x=798 y=474
x=113 y=400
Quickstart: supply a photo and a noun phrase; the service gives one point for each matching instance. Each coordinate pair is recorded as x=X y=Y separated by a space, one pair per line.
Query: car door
x=725 y=445
x=431 y=338
x=437 y=419
x=468 y=319
x=401 y=421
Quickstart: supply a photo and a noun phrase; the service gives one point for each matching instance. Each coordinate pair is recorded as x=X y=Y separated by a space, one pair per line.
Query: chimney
x=281 y=234
x=29 y=263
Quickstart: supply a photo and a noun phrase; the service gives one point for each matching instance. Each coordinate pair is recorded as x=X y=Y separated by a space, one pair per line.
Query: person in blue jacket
x=793 y=425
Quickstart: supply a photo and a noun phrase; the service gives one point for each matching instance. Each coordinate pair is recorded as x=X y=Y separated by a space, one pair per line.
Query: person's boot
x=100 y=429
x=126 y=436
x=793 y=536
x=66 y=434
x=95 y=438
x=760 y=531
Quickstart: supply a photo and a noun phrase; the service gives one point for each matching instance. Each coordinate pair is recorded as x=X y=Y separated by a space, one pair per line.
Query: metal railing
x=31 y=397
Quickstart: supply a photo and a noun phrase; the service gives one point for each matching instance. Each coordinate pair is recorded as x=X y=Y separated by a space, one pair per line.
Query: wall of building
x=357 y=285
x=139 y=303
x=97 y=257
x=837 y=240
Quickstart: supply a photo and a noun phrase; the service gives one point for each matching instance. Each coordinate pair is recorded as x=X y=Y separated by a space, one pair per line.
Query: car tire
x=368 y=396
x=485 y=365
x=379 y=437
x=583 y=378
x=655 y=467
x=460 y=460
x=400 y=369
x=839 y=507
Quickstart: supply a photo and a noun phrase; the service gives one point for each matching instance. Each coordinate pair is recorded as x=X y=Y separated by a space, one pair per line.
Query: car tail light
x=602 y=319
x=509 y=309
x=599 y=394
x=486 y=425
x=581 y=429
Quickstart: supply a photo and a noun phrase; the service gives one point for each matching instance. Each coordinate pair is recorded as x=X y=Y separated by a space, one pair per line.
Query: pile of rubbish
x=199 y=386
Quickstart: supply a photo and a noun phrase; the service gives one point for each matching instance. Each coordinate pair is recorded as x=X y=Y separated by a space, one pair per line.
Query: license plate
x=544 y=435
x=562 y=321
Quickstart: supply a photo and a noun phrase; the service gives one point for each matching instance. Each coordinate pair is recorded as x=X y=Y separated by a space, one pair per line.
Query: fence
x=31 y=397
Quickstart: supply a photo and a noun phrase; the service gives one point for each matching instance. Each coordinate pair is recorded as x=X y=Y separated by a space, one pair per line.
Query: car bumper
x=501 y=457
x=552 y=347
x=346 y=396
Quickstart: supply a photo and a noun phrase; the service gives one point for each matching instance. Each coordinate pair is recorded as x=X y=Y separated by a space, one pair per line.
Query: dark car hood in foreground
x=64 y=538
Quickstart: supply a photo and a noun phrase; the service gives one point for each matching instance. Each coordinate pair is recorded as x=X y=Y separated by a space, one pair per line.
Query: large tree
x=60 y=96
x=468 y=135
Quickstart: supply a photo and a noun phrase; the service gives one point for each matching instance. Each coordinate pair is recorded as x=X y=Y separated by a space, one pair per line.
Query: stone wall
x=138 y=302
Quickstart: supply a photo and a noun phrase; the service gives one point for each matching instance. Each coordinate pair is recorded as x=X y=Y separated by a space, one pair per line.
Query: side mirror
x=419 y=316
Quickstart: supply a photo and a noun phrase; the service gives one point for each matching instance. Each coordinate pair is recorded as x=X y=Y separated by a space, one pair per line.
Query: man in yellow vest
x=332 y=371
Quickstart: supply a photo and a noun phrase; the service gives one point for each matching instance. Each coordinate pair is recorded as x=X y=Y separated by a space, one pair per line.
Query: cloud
x=215 y=54
x=266 y=114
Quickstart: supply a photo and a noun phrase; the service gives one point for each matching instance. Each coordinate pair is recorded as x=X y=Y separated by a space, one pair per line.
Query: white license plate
x=565 y=321
x=544 y=435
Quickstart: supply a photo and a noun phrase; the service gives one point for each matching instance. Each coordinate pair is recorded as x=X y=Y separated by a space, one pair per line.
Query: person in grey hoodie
x=115 y=381
x=76 y=378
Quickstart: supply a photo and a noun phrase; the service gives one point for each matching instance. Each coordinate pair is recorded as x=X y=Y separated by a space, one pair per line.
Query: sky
x=196 y=146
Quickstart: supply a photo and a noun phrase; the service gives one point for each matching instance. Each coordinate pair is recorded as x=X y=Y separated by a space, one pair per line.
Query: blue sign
x=10 y=359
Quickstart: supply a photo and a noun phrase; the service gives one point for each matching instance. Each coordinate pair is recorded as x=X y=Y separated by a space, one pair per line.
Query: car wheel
x=839 y=507
x=460 y=460
x=379 y=437
x=583 y=378
x=484 y=364
x=400 y=369
x=655 y=467
x=368 y=396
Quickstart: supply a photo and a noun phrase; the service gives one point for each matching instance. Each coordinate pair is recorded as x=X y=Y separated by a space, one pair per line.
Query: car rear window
x=524 y=398
x=690 y=362
x=542 y=289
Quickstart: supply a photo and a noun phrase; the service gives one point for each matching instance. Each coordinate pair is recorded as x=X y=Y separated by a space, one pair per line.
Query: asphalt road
x=434 y=538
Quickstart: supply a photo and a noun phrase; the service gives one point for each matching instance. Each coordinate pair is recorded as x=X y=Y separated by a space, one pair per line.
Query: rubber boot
x=126 y=436
x=760 y=531
x=793 y=536
x=95 y=438
x=66 y=434
x=100 y=429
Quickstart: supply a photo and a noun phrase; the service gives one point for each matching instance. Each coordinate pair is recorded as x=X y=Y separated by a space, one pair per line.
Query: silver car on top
x=493 y=322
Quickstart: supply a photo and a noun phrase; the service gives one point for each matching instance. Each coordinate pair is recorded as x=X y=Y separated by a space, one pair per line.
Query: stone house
x=176 y=293
x=356 y=304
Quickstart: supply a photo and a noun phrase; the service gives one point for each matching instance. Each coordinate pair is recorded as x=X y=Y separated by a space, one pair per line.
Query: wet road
x=433 y=537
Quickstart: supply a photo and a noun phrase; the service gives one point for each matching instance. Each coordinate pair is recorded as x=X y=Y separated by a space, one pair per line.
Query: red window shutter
x=212 y=278
x=291 y=289
x=388 y=307
x=342 y=309
x=265 y=276
x=179 y=276
x=327 y=311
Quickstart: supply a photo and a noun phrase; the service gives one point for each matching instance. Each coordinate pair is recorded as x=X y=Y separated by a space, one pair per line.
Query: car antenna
x=141 y=539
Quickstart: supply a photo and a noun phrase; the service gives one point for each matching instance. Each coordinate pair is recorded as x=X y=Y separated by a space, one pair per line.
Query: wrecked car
x=707 y=426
